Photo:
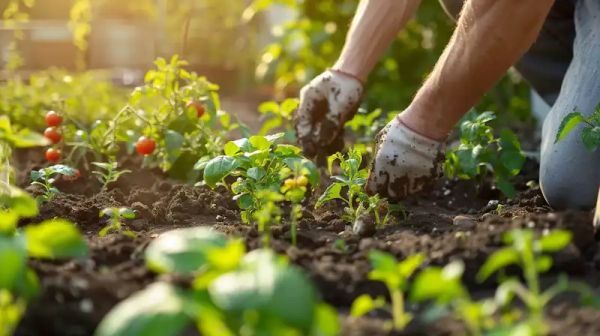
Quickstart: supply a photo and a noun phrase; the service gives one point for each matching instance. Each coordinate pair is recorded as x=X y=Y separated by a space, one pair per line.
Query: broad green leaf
x=326 y=321
x=19 y=202
x=256 y=173
x=555 y=241
x=231 y=149
x=127 y=213
x=506 y=187
x=500 y=259
x=260 y=142
x=157 y=310
x=218 y=168
x=14 y=261
x=268 y=107
x=288 y=150
x=364 y=304
x=441 y=285
x=173 y=144
x=266 y=285
x=55 y=238
x=591 y=138
x=182 y=251
x=332 y=192
x=28 y=286
x=568 y=124
x=288 y=107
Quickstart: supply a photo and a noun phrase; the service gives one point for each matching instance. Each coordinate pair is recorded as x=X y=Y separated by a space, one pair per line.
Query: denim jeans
x=563 y=66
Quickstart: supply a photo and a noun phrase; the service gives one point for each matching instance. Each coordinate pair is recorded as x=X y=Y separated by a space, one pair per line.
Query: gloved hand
x=326 y=103
x=405 y=162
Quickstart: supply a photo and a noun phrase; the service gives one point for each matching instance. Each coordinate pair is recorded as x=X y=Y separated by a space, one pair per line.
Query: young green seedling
x=116 y=217
x=46 y=177
x=395 y=276
x=108 y=172
x=294 y=189
x=590 y=135
x=444 y=287
x=351 y=182
x=532 y=256
x=268 y=213
x=259 y=163
x=480 y=153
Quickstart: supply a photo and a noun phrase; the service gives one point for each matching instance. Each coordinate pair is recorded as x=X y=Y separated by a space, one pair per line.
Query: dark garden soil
x=76 y=294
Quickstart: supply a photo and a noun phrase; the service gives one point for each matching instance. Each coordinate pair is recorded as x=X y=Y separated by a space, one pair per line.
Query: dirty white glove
x=405 y=162
x=326 y=103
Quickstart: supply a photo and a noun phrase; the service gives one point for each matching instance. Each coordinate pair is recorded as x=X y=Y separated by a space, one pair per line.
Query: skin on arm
x=490 y=37
x=374 y=27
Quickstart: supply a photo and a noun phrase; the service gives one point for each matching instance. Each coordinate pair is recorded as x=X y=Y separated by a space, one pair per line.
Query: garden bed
x=77 y=294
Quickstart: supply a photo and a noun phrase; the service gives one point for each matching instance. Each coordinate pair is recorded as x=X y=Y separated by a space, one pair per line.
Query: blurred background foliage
x=262 y=48
x=313 y=39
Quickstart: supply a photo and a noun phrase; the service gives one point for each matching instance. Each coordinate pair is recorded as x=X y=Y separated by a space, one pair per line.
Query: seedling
x=46 y=177
x=233 y=292
x=481 y=154
x=108 y=172
x=444 y=287
x=590 y=135
x=259 y=163
x=268 y=213
x=116 y=218
x=294 y=188
x=352 y=182
x=395 y=275
x=50 y=239
x=532 y=256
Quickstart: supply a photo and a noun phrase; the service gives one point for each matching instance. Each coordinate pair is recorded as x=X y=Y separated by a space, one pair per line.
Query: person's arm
x=374 y=27
x=333 y=97
x=490 y=37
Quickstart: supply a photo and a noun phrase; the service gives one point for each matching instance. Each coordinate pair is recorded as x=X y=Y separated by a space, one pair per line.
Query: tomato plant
x=116 y=218
x=358 y=204
x=258 y=163
x=590 y=134
x=108 y=172
x=182 y=134
x=45 y=179
x=395 y=275
x=229 y=285
x=480 y=154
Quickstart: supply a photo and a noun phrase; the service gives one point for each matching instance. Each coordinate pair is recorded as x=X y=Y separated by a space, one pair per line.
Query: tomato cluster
x=52 y=133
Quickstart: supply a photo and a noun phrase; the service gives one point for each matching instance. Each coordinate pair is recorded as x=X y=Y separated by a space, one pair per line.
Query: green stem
x=398 y=308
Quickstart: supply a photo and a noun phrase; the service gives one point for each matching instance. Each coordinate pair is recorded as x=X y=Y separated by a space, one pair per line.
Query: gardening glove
x=405 y=162
x=326 y=103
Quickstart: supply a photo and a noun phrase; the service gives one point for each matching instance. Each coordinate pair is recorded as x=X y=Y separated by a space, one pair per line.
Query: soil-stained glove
x=405 y=162
x=326 y=103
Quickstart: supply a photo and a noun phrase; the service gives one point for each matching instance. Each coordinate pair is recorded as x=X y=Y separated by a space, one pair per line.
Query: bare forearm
x=490 y=37
x=374 y=27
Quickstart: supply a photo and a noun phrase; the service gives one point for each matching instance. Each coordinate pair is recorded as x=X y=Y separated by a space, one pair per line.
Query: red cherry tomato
x=145 y=146
x=198 y=106
x=53 y=155
x=53 y=119
x=52 y=134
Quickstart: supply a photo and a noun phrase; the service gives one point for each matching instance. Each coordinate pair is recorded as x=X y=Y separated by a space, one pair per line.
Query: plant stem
x=397 y=308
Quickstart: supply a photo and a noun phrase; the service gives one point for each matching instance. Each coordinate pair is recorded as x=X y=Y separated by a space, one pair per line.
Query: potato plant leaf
x=332 y=192
x=157 y=310
x=218 y=168
x=55 y=238
x=364 y=304
x=182 y=251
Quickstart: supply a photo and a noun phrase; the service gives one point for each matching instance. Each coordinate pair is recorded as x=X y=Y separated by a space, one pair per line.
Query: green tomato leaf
x=55 y=238
x=500 y=259
x=543 y=263
x=568 y=124
x=14 y=261
x=182 y=251
x=332 y=192
x=441 y=285
x=231 y=148
x=218 y=168
x=157 y=310
x=555 y=241
x=591 y=138
x=260 y=142
x=256 y=173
